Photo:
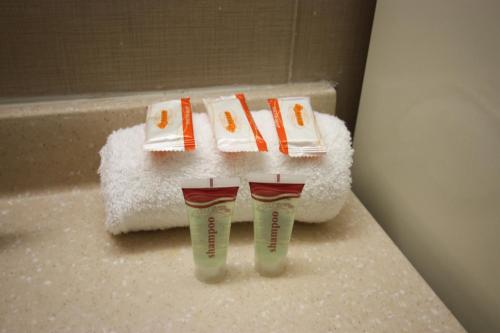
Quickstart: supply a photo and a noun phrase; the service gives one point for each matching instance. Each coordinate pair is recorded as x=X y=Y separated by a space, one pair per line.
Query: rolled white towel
x=142 y=190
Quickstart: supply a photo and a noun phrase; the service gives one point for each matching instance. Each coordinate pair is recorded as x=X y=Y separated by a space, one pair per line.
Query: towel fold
x=141 y=190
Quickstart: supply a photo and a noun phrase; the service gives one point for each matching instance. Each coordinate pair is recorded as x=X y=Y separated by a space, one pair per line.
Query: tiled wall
x=60 y=47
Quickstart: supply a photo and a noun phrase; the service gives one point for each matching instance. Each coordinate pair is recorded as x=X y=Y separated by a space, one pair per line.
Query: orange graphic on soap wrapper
x=164 y=119
x=231 y=125
x=297 y=109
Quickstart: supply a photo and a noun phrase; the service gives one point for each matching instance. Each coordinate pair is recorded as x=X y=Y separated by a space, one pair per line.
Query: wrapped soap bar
x=296 y=126
x=233 y=125
x=169 y=126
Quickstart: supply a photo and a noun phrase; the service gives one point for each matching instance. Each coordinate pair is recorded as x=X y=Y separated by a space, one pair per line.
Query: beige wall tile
x=331 y=44
x=70 y=47
x=75 y=47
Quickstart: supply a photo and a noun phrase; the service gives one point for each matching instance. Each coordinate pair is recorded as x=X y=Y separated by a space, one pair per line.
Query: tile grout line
x=292 y=41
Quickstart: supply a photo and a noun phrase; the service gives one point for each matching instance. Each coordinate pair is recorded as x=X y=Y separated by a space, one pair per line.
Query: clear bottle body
x=210 y=228
x=273 y=225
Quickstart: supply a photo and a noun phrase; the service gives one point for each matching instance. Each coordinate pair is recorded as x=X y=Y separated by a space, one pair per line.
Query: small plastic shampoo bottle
x=274 y=197
x=210 y=204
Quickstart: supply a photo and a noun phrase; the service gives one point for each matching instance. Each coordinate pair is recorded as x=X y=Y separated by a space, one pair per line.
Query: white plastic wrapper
x=233 y=125
x=169 y=126
x=296 y=126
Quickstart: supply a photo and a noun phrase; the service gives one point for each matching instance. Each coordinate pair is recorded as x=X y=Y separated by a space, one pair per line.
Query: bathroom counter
x=61 y=271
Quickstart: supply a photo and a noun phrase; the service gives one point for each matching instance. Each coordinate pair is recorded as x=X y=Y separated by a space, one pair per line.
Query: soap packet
x=233 y=125
x=298 y=132
x=169 y=126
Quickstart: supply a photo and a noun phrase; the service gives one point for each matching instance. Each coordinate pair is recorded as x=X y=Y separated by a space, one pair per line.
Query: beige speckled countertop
x=60 y=271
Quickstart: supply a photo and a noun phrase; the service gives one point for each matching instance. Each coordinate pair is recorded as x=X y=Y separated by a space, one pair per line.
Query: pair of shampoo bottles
x=210 y=204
